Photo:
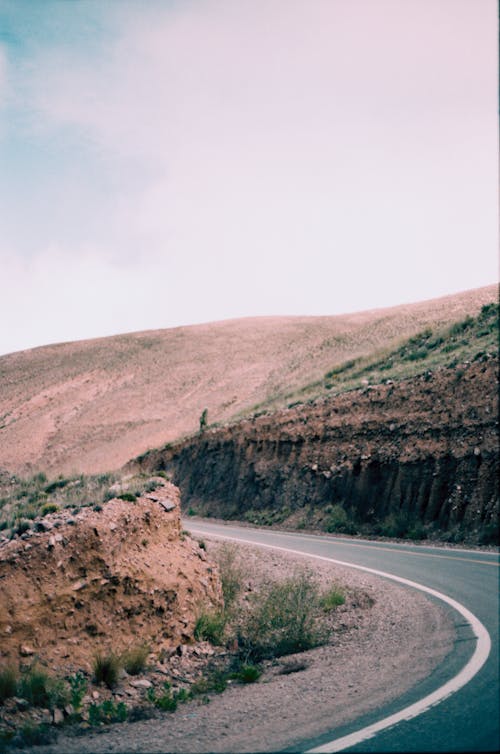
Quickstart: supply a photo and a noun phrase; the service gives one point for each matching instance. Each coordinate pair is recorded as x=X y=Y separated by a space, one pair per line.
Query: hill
x=89 y=406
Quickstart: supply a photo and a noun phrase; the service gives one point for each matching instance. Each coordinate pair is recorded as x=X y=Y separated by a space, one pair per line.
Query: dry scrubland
x=90 y=406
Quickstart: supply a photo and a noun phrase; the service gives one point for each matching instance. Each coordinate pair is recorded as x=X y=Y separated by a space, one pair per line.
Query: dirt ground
x=386 y=639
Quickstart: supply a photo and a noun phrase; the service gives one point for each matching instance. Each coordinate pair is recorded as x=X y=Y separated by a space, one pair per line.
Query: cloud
x=256 y=157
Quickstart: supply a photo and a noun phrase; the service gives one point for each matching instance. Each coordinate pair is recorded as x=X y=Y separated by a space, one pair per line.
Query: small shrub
x=210 y=626
x=50 y=508
x=331 y=599
x=203 y=420
x=129 y=497
x=215 y=680
x=8 y=684
x=107 y=669
x=134 y=659
x=40 y=690
x=31 y=734
x=338 y=521
x=21 y=527
x=107 y=712
x=248 y=673
x=169 y=700
x=282 y=621
x=58 y=484
x=78 y=685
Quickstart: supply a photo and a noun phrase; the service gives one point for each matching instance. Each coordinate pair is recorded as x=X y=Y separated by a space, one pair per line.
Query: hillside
x=89 y=406
x=416 y=458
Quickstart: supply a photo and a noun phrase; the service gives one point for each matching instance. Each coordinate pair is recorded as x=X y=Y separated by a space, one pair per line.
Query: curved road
x=468 y=719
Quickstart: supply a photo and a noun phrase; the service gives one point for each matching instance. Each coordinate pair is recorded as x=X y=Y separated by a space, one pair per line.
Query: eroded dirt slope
x=103 y=581
x=89 y=406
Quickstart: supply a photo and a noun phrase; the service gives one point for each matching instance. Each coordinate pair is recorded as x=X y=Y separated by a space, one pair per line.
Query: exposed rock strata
x=426 y=447
x=103 y=580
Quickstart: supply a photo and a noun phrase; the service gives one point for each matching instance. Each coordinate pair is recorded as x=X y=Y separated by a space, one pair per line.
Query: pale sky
x=173 y=162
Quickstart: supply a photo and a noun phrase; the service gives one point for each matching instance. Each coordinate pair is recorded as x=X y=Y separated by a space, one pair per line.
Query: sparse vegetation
x=427 y=350
x=331 y=599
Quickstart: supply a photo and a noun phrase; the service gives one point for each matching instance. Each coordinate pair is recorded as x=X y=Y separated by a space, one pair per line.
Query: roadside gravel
x=386 y=639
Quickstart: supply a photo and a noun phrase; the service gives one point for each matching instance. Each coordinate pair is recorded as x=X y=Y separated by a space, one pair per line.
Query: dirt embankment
x=102 y=580
x=425 y=449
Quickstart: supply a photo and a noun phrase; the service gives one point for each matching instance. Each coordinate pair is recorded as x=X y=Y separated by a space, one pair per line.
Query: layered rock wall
x=426 y=448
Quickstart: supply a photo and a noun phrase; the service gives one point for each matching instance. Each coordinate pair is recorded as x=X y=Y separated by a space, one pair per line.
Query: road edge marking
x=470 y=669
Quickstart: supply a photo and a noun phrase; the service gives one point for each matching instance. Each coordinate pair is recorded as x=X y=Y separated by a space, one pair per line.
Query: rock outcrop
x=103 y=580
x=425 y=449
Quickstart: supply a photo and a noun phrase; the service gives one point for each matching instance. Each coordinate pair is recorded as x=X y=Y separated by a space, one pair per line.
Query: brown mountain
x=89 y=406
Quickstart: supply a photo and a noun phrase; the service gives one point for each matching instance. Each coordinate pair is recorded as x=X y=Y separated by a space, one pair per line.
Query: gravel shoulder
x=386 y=639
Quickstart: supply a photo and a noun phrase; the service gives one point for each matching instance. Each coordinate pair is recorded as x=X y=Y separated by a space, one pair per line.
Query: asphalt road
x=468 y=719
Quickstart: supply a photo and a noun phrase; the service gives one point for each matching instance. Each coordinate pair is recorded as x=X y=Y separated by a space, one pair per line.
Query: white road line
x=469 y=670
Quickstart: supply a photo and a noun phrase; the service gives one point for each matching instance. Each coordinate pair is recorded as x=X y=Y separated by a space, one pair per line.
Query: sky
x=172 y=162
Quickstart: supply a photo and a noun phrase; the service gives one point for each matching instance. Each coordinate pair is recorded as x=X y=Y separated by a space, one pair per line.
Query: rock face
x=103 y=580
x=425 y=448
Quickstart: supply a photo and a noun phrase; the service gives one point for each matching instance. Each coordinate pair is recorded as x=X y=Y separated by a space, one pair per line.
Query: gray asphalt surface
x=469 y=719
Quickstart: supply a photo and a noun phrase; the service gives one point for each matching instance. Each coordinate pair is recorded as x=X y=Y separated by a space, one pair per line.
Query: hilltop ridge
x=90 y=406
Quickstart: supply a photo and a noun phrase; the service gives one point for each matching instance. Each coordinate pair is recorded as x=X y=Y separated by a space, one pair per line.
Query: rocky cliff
x=415 y=458
x=103 y=580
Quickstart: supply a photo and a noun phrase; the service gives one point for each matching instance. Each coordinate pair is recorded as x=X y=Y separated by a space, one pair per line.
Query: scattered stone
x=141 y=683
x=26 y=651
x=57 y=716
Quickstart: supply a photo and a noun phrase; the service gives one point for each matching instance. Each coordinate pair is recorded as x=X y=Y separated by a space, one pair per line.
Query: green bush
x=106 y=669
x=8 y=683
x=134 y=659
x=338 y=521
x=58 y=484
x=282 y=620
x=210 y=626
x=49 y=508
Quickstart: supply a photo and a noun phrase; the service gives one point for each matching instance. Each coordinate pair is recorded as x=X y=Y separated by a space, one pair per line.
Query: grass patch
x=41 y=690
x=211 y=626
x=8 y=683
x=231 y=574
x=134 y=660
x=331 y=599
x=106 y=668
